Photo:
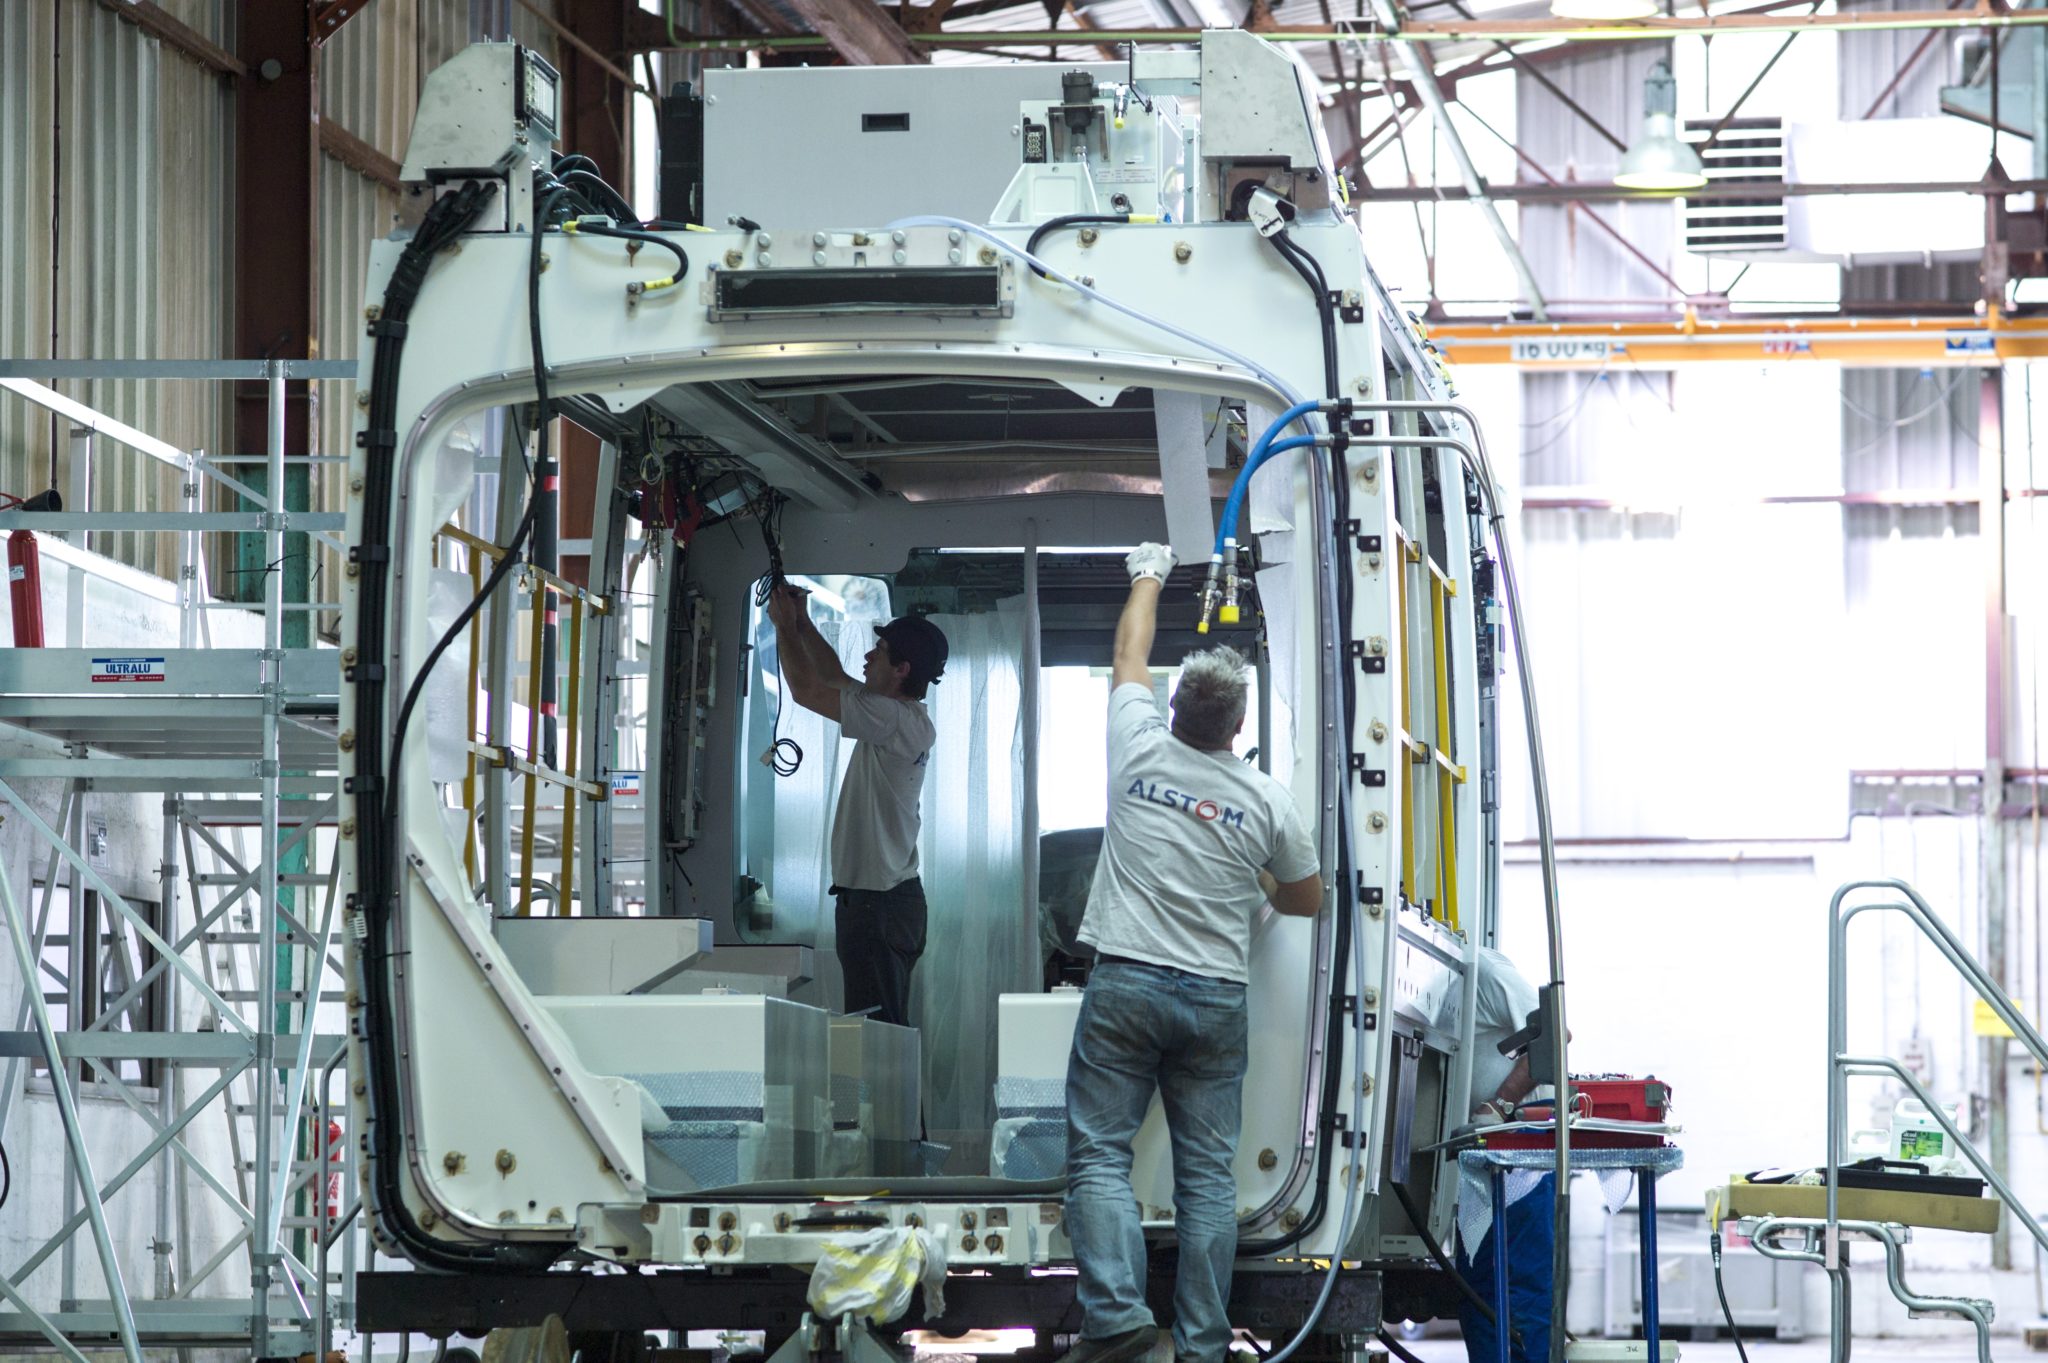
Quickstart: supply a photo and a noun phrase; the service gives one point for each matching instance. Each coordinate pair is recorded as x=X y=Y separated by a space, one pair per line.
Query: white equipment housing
x=1372 y=632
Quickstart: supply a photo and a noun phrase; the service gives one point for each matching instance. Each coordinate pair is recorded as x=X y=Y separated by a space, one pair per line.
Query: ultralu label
x=125 y=670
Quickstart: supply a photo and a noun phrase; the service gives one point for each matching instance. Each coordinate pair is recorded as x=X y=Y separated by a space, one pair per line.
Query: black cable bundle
x=1335 y=1079
x=785 y=756
x=1721 y=1291
x=1420 y=1220
x=379 y=851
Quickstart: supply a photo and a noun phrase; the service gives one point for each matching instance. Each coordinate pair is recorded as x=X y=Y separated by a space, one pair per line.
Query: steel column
x=263 y=1247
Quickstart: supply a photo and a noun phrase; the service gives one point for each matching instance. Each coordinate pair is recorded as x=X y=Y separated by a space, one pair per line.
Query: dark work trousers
x=881 y=935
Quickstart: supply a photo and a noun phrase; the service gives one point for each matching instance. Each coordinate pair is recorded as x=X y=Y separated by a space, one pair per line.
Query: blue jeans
x=1532 y=1234
x=1144 y=1027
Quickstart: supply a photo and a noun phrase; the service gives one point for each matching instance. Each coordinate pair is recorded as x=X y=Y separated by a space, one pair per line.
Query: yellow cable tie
x=697 y=227
x=1144 y=217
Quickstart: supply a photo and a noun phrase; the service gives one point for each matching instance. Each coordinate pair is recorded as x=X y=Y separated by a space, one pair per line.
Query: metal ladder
x=1823 y=1236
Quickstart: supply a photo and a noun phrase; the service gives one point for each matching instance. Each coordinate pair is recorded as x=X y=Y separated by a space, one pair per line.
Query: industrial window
x=91 y=962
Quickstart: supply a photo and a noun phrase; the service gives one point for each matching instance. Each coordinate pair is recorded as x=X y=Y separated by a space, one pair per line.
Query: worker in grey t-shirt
x=881 y=909
x=1191 y=837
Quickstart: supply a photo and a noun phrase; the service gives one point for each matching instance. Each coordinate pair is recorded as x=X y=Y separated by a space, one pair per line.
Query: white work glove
x=1149 y=560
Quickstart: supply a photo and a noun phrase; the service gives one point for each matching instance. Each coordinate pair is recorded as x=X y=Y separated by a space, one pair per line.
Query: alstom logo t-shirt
x=1187 y=834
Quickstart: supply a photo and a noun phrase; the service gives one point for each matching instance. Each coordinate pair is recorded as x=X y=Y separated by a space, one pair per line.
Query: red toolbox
x=1605 y=1097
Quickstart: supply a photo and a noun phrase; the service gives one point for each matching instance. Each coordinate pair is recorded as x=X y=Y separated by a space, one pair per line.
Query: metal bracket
x=1350 y=1006
x=1371 y=662
x=328 y=18
x=1371 y=776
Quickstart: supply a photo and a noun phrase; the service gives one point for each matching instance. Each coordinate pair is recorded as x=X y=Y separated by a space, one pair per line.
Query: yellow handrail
x=1441 y=591
x=568 y=885
x=1407 y=777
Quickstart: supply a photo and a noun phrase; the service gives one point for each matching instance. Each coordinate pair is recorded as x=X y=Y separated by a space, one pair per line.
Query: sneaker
x=1127 y=1347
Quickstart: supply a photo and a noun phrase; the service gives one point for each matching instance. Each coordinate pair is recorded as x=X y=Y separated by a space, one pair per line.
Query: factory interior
x=805 y=475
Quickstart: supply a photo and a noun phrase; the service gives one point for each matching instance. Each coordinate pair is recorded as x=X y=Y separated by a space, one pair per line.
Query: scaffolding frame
x=237 y=740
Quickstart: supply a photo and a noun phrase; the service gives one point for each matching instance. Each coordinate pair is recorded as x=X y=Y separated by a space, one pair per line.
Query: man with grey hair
x=1195 y=844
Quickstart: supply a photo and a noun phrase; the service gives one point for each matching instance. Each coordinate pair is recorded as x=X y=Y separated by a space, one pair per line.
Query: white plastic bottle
x=1916 y=1135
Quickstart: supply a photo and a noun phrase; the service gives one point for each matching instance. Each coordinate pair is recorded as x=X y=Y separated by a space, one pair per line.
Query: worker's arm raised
x=1148 y=565
x=810 y=668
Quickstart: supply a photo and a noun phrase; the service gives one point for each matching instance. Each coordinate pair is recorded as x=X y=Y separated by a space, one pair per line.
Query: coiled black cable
x=600 y=193
x=784 y=756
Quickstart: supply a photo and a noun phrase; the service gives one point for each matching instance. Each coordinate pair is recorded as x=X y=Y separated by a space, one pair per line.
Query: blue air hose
x=1223 y=559
x=1260 y=451
x=1226 y=528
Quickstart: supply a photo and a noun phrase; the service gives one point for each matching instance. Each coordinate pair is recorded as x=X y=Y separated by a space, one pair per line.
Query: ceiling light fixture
x=1605 y=9
x=1658 y=159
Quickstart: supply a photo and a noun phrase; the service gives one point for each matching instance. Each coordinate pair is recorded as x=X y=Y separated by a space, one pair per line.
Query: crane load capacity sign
x=1573 y=350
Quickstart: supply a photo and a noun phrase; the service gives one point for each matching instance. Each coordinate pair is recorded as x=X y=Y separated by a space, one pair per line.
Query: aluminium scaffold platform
x=241 y=743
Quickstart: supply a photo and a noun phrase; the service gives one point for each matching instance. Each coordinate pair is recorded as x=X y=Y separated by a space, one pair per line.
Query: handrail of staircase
x=1978 y=1313
x=1841 y=1065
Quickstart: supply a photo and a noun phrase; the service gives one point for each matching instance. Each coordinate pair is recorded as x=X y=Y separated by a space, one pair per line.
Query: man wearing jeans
x=1192 y=836
x=881 y=918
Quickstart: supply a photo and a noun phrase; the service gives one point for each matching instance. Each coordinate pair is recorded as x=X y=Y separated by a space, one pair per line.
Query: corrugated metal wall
x=116 y=222
x=1870 y=60
x=1572 y=258
x=114 y=237
x=27 y=77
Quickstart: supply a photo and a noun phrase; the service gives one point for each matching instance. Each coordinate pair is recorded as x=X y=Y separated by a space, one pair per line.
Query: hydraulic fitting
x=1209 y=593
x=1229 y=614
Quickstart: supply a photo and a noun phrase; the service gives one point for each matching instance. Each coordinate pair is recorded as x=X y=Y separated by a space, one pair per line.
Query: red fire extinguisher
x=25 y=570
x=333 y=1172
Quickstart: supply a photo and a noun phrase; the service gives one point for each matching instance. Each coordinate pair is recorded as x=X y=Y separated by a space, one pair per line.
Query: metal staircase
x=1824 y=1240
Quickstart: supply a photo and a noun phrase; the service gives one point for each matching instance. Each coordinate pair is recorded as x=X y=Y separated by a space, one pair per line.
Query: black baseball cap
x=915 y=640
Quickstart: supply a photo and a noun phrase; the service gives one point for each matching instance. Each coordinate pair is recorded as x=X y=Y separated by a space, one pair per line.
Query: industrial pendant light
x=1658 y=160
